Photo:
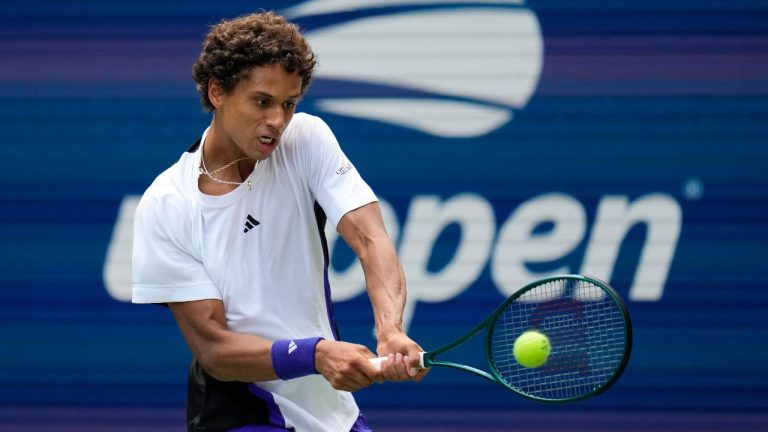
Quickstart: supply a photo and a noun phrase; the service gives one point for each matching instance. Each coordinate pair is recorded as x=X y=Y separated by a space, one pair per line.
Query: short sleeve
x=165 y=266
x=334 y=180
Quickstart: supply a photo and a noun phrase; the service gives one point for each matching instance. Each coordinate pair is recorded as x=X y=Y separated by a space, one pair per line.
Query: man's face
x=255 y=113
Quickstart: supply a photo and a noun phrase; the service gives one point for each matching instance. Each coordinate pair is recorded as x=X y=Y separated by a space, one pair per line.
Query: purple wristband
x=293 y=358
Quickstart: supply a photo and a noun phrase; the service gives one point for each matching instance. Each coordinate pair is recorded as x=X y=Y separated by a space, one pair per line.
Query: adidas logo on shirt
x=250 y=223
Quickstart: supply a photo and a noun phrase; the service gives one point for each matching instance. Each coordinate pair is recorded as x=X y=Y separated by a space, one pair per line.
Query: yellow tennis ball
x=531 y=349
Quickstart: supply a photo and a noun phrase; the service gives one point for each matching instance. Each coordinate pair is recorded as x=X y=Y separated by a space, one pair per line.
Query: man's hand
x=402 y=358
x=346 y=366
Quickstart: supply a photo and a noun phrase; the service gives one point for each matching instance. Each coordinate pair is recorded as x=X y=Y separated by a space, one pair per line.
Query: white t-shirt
x=259 y=251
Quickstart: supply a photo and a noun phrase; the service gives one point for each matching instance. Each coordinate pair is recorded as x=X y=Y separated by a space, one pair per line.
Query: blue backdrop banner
x=507 y=141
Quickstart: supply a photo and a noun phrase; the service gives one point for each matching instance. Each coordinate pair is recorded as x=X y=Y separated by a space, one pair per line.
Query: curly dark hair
x=233 y=47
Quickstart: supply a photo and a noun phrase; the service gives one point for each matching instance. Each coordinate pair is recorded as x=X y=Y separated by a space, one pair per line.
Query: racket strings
x=586 y=331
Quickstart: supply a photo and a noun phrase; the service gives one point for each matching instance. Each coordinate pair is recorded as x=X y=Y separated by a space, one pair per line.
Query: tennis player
x=231 y=238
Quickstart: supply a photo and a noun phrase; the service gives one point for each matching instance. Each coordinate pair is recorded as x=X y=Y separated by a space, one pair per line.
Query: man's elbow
x=214 y=362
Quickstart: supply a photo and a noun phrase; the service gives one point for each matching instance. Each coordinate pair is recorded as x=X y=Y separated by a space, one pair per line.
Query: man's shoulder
x=303 y=119
x=306 y=132
x=167 y=194
x=304 y=126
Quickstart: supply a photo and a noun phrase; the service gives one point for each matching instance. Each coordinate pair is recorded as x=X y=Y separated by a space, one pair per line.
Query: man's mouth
x=267 y=140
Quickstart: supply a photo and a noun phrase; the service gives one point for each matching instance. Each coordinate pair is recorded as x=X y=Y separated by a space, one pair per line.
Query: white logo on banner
x=475 y=64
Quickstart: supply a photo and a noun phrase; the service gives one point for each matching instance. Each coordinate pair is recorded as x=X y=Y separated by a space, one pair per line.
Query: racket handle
x=378 y=361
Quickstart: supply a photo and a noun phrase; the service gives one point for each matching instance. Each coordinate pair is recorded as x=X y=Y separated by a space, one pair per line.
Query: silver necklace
x=204 y=170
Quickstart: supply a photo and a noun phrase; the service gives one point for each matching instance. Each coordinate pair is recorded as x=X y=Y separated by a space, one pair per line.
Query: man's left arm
x=363 y=230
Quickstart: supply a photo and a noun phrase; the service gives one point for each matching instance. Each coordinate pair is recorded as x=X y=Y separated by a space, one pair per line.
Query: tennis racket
x=589 y=332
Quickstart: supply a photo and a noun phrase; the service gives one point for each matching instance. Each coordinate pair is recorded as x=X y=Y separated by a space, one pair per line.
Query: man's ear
x=215 y=93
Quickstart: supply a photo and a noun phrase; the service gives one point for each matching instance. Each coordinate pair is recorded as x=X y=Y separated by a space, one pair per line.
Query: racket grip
x=378 y=361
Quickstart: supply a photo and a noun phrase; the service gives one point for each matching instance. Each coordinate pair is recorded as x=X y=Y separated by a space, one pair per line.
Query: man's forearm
x=385 y=280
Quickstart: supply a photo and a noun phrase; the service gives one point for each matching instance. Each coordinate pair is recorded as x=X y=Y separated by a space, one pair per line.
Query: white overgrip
x=377 y=362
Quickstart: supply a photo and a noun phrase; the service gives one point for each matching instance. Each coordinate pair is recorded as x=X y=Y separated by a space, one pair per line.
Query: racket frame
x=428 y=358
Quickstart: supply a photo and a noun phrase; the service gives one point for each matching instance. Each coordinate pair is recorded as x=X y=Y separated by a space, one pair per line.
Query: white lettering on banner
x=427 y=218
x=117 y=266
x=516 y=246
x=615 y=216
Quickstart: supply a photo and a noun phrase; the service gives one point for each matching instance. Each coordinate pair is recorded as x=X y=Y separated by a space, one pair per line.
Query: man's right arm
x=232 y=356
x=225 y=355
